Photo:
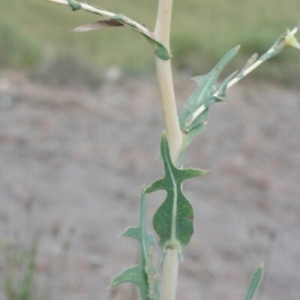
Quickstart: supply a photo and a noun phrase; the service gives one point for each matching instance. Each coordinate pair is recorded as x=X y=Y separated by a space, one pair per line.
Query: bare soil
x=73 y=161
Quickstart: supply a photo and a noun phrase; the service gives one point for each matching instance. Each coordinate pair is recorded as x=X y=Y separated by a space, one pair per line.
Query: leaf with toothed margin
x=254 y=283
x=143 y=274
x=194 y=113
x=173 y=221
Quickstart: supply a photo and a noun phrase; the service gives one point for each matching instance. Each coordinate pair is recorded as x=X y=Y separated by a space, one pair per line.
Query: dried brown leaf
x=97 y=25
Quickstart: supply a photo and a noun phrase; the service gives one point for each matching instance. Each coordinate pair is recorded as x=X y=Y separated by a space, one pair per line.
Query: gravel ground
x=73 y=162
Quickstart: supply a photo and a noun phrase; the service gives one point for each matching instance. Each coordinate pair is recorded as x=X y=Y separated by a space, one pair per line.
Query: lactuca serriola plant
x=174 y=219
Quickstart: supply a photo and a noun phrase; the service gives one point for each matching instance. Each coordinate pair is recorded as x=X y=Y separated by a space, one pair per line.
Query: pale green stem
x=170 y=271
x=165 y=81
x=169 y=112
x=173 y=132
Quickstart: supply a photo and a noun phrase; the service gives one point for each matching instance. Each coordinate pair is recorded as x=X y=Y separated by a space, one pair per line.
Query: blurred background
x=35 y=35
x=79 y=135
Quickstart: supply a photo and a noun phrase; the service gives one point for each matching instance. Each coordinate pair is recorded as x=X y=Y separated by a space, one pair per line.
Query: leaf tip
x=75 y=30
x=109 y=287
x=235 y=50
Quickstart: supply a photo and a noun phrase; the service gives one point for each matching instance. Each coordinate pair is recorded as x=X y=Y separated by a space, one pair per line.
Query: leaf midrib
x=174 y=203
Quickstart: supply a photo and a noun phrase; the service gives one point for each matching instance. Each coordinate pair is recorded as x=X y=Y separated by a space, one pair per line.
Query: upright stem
x=169 y=273
x=173 y=132
x=165 y=81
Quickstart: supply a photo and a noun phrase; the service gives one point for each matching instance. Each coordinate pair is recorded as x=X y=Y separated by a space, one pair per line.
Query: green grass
x=17 y=280
x=17 y=50
x=202 y=32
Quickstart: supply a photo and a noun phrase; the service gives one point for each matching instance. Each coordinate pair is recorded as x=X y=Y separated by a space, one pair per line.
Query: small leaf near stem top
x=286 y=39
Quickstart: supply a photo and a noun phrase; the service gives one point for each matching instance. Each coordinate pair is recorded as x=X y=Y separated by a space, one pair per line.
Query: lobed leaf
x=194 y=114
x=143 y=274
x=173 y=220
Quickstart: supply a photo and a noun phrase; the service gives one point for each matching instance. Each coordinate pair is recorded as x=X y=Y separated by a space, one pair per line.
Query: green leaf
x=159 y=49
x=120 y=20
x=173 y=221
x=194 y=114
x=143 y=274
x=74 y=5
x=254 y=283
x=224 y=86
